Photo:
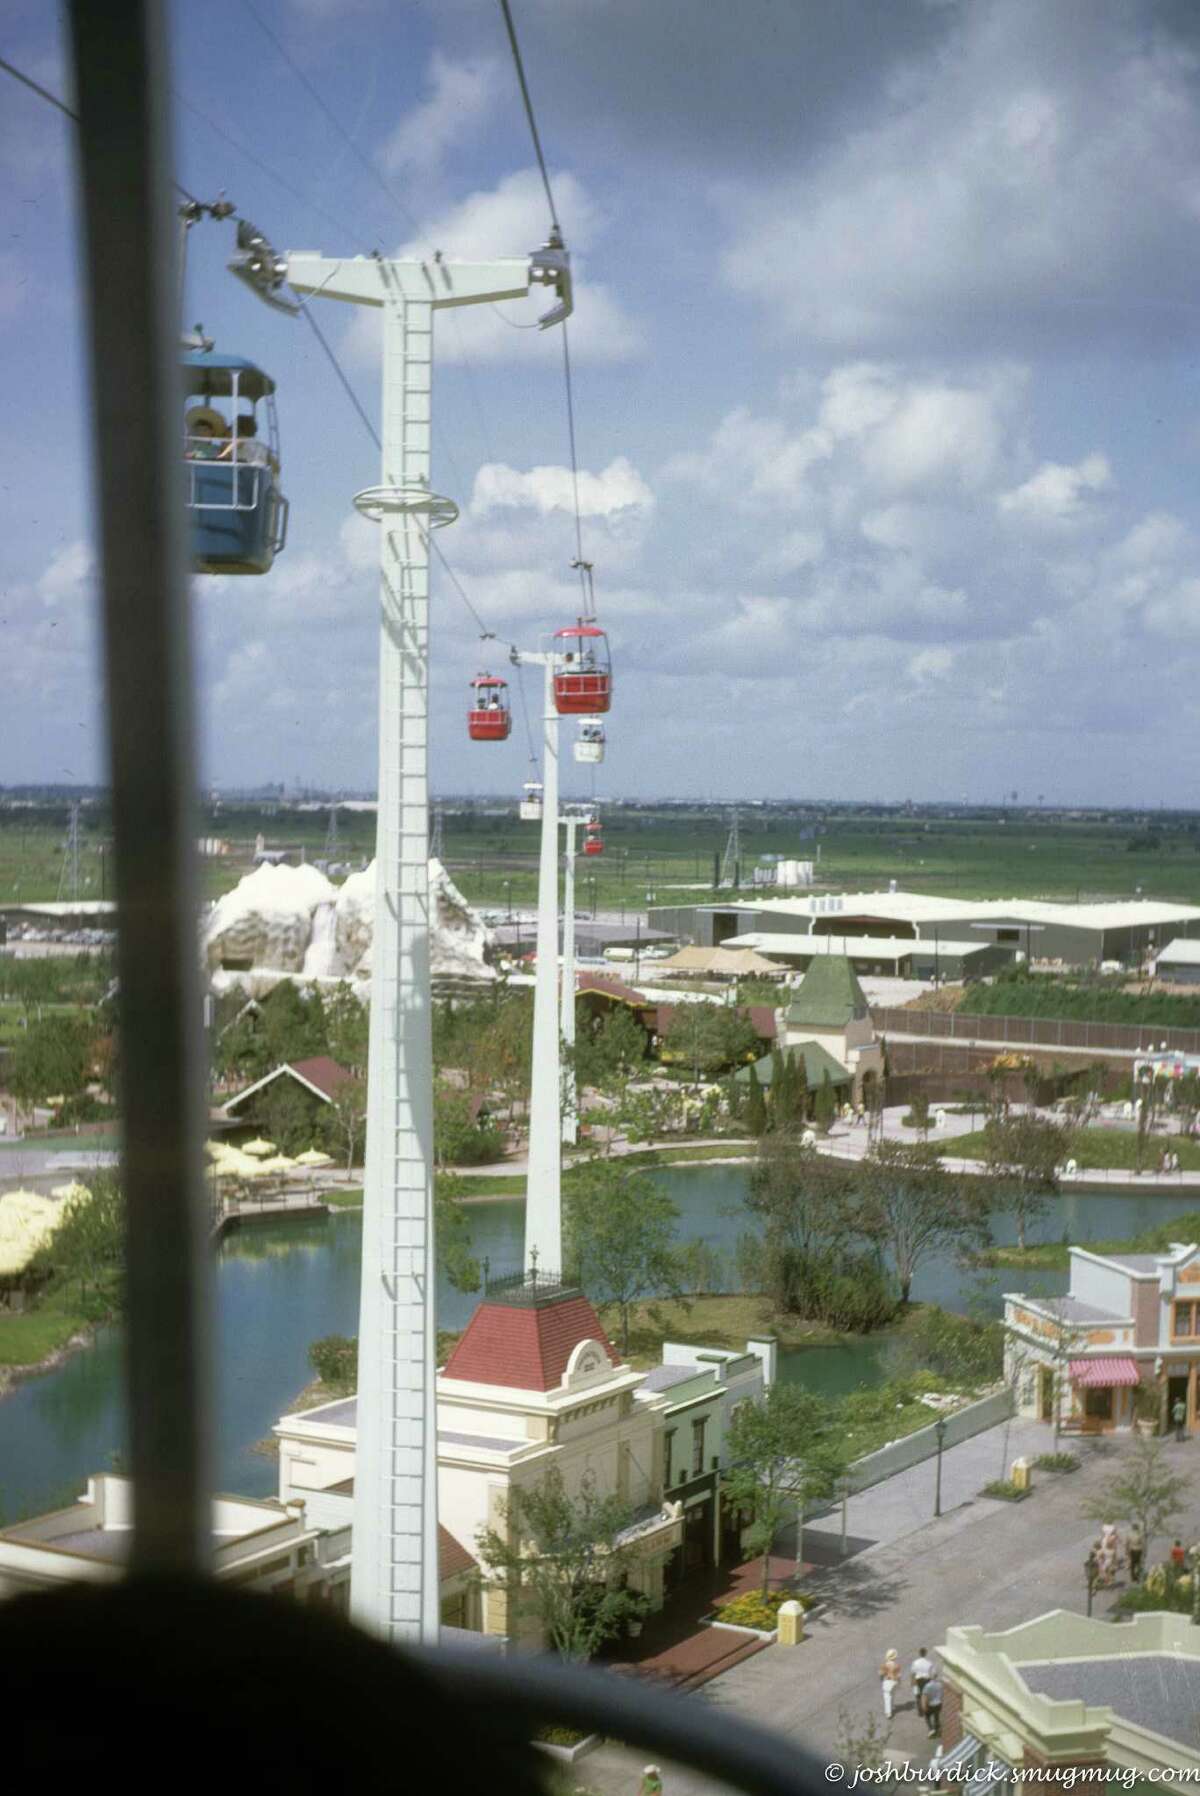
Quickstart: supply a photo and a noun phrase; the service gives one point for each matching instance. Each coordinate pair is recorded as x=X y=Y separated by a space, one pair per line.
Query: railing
x=1043 y=1032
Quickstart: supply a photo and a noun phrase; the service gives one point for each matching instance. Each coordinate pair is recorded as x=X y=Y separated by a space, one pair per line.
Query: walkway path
x=984 y=1561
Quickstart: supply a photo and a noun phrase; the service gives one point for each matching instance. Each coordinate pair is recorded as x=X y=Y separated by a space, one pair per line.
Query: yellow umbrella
x=312 y=1156
x=278 y=1163
x=258 y=1147
x=27 y=1218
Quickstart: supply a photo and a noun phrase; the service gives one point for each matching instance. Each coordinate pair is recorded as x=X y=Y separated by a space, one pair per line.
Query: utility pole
x=68 y=873
x=394 y=1581
x=331 y=834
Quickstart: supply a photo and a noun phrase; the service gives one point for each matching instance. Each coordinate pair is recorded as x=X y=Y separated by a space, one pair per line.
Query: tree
x=1022 y=1154
x=293 y=1024
x=459 y=1138
x=563 y=1563
x=708 y=1037
x=608 y=1050
x=452 y=1233
x=913 y=1208
x=51 y=1058
x=783 y=1454
x=824 y=1104
x=620 y=1237
x=347 y=1028
x=87 y=1249
x=918 y=1109
x=289 y=1114
x=756 y=1108
x=1143 y=1490
x=807 y=1208
x=348 y=1111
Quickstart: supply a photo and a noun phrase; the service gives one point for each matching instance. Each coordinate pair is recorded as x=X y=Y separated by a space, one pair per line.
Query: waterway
x=283 y=1285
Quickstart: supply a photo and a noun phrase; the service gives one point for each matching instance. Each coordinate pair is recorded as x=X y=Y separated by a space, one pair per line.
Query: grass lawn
x=1054 y=1254
x=709 y=1322
x=340 y=1199
x=1099 y=1150
x=27 y=1338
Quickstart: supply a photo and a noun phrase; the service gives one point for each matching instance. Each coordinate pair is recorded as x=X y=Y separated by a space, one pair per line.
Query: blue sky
x=885 y=376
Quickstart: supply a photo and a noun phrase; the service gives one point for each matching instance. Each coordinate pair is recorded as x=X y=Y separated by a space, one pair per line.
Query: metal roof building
x=1124 y=930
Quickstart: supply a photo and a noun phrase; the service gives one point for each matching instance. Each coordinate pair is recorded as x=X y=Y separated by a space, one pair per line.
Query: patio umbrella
x=312 y=1156
x=259 y=1147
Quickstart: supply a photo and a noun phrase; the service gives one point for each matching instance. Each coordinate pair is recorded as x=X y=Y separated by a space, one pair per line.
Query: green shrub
x=1057 y=1462
x=957 y=1349
x=334 y=1359
x=1005 y=1489
x=1163 y=1589
x=555 y=1734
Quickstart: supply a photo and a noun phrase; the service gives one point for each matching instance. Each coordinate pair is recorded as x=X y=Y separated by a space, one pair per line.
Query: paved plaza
x=983 y=1561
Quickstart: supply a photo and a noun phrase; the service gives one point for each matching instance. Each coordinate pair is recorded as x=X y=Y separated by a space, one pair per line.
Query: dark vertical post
x=124 y=167
x=939 y=1428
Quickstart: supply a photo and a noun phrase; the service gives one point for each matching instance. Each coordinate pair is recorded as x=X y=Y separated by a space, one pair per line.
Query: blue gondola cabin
x=236 y=511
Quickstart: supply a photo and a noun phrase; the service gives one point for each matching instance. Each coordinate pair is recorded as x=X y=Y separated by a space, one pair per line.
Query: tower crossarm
x=440 y=282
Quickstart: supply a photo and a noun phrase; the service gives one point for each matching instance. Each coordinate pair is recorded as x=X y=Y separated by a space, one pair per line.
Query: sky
x=885 y=388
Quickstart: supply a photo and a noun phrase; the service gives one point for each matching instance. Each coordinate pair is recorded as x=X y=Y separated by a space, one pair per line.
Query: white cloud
x=1020 y=177
x=510 y=220
x=1058 y=492
x=931 y=664
x=461 y=95
x=617 y=491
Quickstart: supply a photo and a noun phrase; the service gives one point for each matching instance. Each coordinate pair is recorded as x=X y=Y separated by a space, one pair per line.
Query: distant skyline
x=886 y=389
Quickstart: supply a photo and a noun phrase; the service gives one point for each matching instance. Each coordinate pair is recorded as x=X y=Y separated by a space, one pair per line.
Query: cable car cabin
x=593 y=841
x=530 y=808
x=237 y=514
x=489 y=718
x=583 y=683
x=589 y=744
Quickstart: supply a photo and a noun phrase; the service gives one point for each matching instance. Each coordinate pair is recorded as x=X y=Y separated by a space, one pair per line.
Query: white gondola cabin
x=589 y=744
x=583 y=677
x=489 y=718
x=530 y=808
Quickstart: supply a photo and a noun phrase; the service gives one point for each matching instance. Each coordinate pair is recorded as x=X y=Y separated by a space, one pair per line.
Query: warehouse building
x=1179 y=962
x=1076 y=935
x=882 y=956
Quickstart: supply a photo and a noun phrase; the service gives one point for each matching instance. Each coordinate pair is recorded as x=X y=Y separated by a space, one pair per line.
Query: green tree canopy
x=620 y=1237
x=50 y=1058
x=1142 y=1488
x=1022 y=1154
x=912 y=1207
x=707 y=1037
x=782 y=1454
x=562 y=1560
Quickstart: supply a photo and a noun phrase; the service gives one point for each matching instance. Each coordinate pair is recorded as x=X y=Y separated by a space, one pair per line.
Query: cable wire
x=43 y=93
x=533 y=130
x=584 y=567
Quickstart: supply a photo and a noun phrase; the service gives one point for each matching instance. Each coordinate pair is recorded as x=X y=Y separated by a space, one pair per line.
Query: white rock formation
x=291 y=922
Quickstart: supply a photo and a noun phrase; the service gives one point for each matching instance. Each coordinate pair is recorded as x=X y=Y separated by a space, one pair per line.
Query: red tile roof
x=322 y=1071
x=525 y=1347
x=453 y=1556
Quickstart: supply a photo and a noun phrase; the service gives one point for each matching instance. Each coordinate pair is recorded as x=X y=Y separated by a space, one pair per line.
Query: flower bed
x=1057 y=1462
x=759 y=1613
x=1005 y=1490
x=565 y=1743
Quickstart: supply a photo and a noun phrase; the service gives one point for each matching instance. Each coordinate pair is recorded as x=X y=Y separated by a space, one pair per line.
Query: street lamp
x=1194 y=1560
x=1090 y=1569
x=939 y=1428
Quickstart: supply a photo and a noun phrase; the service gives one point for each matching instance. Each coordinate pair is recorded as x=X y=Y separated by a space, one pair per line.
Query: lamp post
x=939 y=1429
x=1089 y=1572
x=1194 y=1562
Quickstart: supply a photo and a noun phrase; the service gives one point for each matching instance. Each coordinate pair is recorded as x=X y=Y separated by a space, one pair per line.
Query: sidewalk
x=985 y=1562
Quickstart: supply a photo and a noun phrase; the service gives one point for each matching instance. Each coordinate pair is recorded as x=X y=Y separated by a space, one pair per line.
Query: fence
x=961 y=1426
x=1034 y=1032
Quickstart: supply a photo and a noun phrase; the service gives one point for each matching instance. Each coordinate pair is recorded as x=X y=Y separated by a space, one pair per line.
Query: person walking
x=1179 y=1557
x=1135 y=1546
x=934 y=1695
x=889 y=1677
x=920 y=1671
x=1179 y=1416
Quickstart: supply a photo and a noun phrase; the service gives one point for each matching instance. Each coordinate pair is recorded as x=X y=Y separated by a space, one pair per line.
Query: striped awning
x=1104 y=1371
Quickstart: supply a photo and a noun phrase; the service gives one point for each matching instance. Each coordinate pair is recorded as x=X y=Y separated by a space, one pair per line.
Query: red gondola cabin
x=593 y=841
x=583 y=684
x=489 y=718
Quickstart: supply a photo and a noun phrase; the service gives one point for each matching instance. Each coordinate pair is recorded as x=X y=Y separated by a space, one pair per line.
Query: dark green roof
x=817 y=1062
x=828 y=996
